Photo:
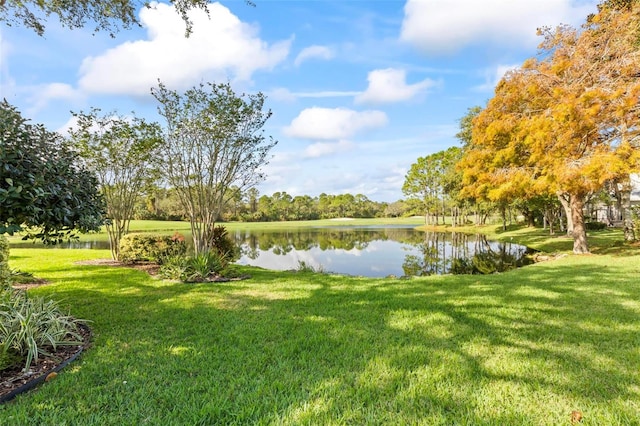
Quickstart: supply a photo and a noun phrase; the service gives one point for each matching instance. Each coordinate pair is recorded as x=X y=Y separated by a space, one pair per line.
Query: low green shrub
x=151 y=247
x=30 y=327
x=197 y=268
x=223 y=244
x=595 y=226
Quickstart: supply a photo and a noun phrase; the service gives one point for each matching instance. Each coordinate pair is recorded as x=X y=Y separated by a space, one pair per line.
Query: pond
x=378 y=251
x=370 y=251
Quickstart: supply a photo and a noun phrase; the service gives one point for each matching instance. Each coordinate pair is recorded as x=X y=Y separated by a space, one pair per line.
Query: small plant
x=203 y=265
x=306 y=267
x=30 y=327
x=197 y=268
x=174 y=268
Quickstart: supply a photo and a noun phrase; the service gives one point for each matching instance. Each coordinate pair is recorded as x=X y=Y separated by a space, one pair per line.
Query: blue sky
x=359 y=89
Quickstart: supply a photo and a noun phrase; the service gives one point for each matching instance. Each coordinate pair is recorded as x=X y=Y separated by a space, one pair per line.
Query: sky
x=359 y=90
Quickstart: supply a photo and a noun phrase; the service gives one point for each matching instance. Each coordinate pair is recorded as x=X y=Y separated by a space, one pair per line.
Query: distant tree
x=109 y=15
x=214 y=141
x=429 y=179
x=120 y=151
x=396 y=209
x=44 y=191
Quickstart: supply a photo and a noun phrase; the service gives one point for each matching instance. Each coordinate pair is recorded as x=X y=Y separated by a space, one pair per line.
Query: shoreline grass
x=525 y=347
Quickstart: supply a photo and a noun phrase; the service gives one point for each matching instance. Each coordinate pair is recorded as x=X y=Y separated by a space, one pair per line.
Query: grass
x=521 y=348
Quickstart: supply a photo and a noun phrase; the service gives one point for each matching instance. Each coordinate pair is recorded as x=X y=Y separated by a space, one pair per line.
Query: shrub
x=151 y=247
x=30 y=327
x=198 y=268
x=595 y=226
x=223 y=243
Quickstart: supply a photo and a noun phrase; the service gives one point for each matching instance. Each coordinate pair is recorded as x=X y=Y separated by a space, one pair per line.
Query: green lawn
x=520 y=348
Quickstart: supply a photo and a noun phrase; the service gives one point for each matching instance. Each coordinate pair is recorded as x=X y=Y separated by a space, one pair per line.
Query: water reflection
x=372 y=251
x=379 y=252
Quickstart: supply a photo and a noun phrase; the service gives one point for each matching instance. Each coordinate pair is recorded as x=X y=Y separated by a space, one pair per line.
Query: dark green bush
x=151 y=247
x=595 y=226
x=223 y=244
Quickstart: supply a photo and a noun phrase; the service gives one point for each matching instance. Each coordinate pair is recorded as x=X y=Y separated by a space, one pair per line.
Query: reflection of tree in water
x=463 y=254
x=283 y=242
x=438 y=252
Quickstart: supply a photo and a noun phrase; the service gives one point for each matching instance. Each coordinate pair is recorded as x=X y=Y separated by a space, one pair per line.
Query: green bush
x=30 y=327
x=595 y=226
x=5 y=271
x=198 y=268
x=151 y=247
x=223 y=244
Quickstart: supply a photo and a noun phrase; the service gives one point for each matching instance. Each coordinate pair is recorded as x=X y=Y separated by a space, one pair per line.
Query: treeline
x=249 y=206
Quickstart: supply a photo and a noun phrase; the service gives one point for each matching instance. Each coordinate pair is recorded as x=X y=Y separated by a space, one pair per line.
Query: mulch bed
x=14 y=381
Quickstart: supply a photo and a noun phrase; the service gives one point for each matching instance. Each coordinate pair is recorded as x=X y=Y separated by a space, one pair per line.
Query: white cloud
x=313 y=52
x=285 y=95
x=43 y=94
x=333 y=124
x=493 y=76
x=437 y=26
x=320 y=149
x=221 y=46
x=389 y=85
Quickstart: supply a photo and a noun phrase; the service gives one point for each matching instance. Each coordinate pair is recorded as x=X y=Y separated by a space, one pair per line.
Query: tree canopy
x=121 y=151
x=564 y=124
x=43 y=189
x=214 y=146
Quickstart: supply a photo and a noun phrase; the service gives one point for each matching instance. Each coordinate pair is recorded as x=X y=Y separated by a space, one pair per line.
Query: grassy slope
x=524 y=347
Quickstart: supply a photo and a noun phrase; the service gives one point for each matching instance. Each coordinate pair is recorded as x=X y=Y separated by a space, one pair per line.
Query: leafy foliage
x=564 y=124
x=151 y=247
x=214 y=142
x=200 y=267
x=30 y=327
x=431 y=180
x=108 y=15
x=204 y=265
x=42 y=187
x=119 y=150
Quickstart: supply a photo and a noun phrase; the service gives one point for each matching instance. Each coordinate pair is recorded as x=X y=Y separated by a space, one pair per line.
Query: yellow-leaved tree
x=566 y=123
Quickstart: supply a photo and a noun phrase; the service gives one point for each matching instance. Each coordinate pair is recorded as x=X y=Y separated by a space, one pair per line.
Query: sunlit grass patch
x=523 y=347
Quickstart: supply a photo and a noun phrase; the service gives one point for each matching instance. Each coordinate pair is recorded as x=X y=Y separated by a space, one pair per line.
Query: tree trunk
x=579 y=233
x=625 y=208
x=564 y=200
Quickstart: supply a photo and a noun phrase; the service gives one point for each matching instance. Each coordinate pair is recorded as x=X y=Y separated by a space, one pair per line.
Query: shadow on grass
x=299 y=348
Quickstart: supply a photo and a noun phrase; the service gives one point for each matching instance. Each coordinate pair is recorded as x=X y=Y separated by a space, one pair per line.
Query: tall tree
x=120 y=151
x=566 y=123
x=43 y=189
x=214 y=140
